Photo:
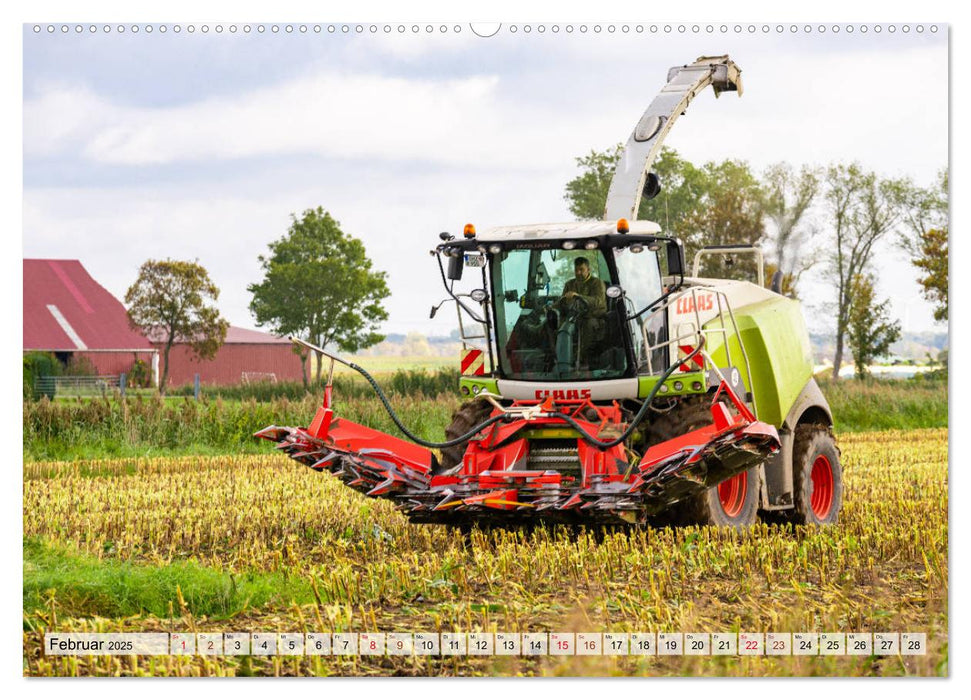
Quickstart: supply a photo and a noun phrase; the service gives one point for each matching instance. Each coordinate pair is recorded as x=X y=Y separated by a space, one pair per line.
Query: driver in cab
x=592 y=291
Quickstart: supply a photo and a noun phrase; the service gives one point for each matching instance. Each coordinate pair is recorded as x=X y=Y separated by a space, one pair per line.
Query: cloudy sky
x=200 y=146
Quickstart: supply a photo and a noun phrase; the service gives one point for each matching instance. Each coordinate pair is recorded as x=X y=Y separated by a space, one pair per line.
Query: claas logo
x=686 y=304
x=563 y=394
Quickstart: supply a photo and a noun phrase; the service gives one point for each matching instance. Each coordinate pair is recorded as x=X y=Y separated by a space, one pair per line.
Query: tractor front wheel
x=817 y=476
x=734 y=502
x=469 y=414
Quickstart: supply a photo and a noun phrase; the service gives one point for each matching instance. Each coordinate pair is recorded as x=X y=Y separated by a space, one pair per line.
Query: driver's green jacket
x=593 y=292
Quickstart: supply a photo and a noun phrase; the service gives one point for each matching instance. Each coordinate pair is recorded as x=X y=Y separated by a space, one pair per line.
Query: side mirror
x=675 y=254
x=541 y=277
x=456 y=263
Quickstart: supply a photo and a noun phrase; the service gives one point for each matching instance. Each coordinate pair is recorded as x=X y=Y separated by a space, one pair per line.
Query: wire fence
x=78 y=386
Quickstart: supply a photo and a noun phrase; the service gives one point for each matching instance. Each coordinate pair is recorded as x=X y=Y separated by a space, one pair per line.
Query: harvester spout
x=684 y=83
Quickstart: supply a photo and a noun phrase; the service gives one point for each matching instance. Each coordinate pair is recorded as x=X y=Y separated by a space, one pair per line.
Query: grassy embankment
x=224 y=421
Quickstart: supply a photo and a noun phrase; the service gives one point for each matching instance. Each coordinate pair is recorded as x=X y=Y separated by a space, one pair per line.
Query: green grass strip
x=85 y=586
x=875 y=404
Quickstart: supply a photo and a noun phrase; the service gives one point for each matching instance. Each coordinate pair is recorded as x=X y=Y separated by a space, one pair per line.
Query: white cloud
x=330 y=114
x=885 y=108
x=61 y=119
x=888 y=110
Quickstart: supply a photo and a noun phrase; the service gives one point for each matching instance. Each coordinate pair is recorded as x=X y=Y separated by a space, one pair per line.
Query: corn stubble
x=882 y=568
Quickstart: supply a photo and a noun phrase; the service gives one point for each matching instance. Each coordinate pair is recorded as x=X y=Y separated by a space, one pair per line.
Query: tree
x=788 y=197
x=682 y=187
x=730 y=209
x=416 y=345
x=932 y=260
x=37 y=365
x=587 y=192
x=927 y=225
x=717 y=203
x=682 y=184
x=863 y=208
x=318 y=283
x=172 y=298
x=926 y=209
x=870 y=332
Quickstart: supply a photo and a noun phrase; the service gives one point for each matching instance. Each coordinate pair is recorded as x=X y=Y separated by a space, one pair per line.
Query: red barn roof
x=234 y=336
x=66 y=310
x=243 y=335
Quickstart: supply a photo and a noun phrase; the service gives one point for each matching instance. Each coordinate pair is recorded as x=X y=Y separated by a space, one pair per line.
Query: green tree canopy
x=871 y=330
x=682 y=184
x=714 y=204
x=931 y=259
x=926 y=209
x=926 y=239
x=173 y=299
x=587 y=192
x=319 y=284
x=730 y=209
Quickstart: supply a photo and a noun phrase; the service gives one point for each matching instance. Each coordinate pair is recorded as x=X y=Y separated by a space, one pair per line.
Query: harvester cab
x=602 y=384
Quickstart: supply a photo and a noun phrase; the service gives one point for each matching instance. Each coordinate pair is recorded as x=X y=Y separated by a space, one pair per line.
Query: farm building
x=246 y=356
x=66 y=312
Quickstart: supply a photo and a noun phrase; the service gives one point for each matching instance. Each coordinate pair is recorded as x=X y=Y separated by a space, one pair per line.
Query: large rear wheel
x=734 y=502
x=817 y=476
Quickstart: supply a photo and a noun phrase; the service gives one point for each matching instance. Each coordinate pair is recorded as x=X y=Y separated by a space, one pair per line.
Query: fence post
x=122 y=383
x=195 y=389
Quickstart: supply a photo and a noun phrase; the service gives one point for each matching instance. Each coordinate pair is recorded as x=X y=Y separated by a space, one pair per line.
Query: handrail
x=699 y=332
x=729 y=250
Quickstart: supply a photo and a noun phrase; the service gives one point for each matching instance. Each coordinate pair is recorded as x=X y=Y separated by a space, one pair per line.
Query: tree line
x=830 y=218
x=319 y=284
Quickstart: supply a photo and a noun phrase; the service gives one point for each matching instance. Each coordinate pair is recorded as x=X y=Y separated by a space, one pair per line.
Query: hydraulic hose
x=639 y=416
x=410 y=435
x=589 y=439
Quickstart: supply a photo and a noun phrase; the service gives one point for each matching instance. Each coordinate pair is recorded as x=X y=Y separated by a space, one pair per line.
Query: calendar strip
x=442 y=644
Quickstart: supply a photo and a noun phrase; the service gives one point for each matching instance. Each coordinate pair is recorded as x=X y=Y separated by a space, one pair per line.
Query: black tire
x=738 y=503
x=467 y=416
x=817 y=476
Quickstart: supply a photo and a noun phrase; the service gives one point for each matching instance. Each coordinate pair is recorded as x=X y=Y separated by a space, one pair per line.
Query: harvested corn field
x=257 y=543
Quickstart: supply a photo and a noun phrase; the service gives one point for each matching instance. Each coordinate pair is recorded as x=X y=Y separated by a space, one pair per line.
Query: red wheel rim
x=822 y=476
x=731 y=494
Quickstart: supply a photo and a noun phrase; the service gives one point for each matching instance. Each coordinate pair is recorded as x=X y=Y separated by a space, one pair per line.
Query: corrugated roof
x=234 y=336
x=66 y=310
x=244 y=335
